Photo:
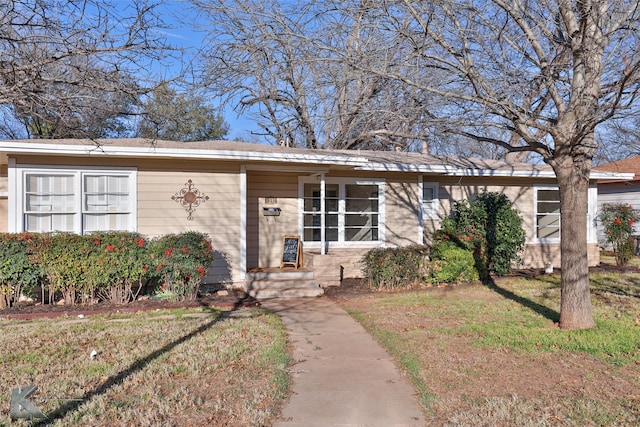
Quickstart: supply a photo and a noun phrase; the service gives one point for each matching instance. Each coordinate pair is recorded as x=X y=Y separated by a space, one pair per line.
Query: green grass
x=514 y=321
x=406 y=358
x=150 y=369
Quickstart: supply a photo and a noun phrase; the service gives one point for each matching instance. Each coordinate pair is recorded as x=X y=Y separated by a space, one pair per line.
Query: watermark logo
x=21 y=407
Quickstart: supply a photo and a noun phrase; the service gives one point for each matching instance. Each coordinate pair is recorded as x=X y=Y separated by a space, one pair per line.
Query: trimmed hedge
x=19 y=271
x=452 y=264
x=396 y=267
x=105 y=266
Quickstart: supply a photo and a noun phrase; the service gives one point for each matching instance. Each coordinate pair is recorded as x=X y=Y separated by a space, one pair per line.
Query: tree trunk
x=575 y=300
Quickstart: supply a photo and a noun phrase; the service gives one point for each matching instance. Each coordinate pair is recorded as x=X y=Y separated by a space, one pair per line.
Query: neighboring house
x=625 y=191
x=246 y=197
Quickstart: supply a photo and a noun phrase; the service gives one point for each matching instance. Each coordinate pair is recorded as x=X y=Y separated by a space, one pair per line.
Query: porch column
x=323 y=248
x=243 y=222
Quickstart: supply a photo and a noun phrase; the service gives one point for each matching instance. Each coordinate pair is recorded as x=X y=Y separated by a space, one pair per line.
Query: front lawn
x=195 y=367
x=492 y=354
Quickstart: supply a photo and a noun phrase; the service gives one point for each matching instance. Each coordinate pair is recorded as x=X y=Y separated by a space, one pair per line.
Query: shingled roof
x=233 y=150
x=630 y=165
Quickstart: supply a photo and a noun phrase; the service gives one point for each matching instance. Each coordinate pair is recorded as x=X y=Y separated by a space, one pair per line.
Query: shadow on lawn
x=542 y=310
x=136 y=366
x=629 y=287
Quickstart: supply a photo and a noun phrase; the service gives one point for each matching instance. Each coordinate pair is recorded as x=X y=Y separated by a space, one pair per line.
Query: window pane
x=362 y=191
x=351 y=212
x=118 y=184
x=50 y=203
x=428 y=193
x=548 y=214
x=312 y=205
x=361 y=234
x=96 y=222
x=44 y=223
x=110 y=191
x=549 y=195
x=331 y=235
x=49 y=193
x=49 y=184
x=311 y=234
x=108 y=202
x=360 y=227
x=360 y=220
x=548 y=207
x=311 y=220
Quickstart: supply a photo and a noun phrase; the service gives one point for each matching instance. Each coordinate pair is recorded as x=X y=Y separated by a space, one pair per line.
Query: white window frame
x=537 y=239
x=592 y=236
x=17 y=189
x=342 y=183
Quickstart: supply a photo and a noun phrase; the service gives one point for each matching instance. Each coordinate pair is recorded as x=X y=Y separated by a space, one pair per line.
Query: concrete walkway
x=341 y=375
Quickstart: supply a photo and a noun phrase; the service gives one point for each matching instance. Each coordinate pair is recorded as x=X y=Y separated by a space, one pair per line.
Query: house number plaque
x=190 y=197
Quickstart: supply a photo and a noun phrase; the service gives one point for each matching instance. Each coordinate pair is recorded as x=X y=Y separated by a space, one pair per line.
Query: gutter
x=174 y=153
x=357 y=162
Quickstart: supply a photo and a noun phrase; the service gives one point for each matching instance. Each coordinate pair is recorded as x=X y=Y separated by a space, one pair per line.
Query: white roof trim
x=358 y=162
x=157 y=152
x=602 y=175
x=455 y=171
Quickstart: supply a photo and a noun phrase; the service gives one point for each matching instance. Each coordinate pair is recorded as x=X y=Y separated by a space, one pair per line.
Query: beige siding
x=219 y=216
x=403 y=202
x=538 y=255
x=159 y=180
x=520 y=192
x=4 y=219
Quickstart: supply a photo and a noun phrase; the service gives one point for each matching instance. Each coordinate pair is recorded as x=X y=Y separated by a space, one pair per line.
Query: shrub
x=179 y=262
x=617 y=220
x=19 y=272
x=65 y=257
x=450 y=264
x=395 y=267
x=490 y=227
x=119 y=262
x=105 y=265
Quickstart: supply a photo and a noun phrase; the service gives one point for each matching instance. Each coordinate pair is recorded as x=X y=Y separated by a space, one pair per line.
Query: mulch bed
x=26 y=311
x=229 y=299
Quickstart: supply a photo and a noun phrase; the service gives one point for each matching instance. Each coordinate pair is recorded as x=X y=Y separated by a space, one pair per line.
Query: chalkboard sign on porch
x=291 y=251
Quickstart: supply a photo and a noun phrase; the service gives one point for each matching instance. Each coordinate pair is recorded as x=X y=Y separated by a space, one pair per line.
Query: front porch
x=317 y=273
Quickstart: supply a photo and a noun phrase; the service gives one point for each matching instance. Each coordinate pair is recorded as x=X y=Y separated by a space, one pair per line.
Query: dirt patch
x=25 y=311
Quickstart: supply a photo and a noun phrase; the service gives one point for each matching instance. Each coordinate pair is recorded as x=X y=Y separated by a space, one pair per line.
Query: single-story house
x=247 y=197
x=620 y=190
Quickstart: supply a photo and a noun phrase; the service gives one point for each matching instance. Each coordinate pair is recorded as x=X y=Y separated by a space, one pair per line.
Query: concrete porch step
x=282 y=284
x=287 y=293
x=262 y=284
x=278 y=274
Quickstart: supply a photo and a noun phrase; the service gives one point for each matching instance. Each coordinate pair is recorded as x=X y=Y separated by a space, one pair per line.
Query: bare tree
x=283 y=63
x=619 y=140
x=79 y=112
x=548 y=72
x=58 y=57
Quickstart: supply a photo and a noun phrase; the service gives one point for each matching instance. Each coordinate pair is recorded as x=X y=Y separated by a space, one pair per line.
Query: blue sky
x=185 y=36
